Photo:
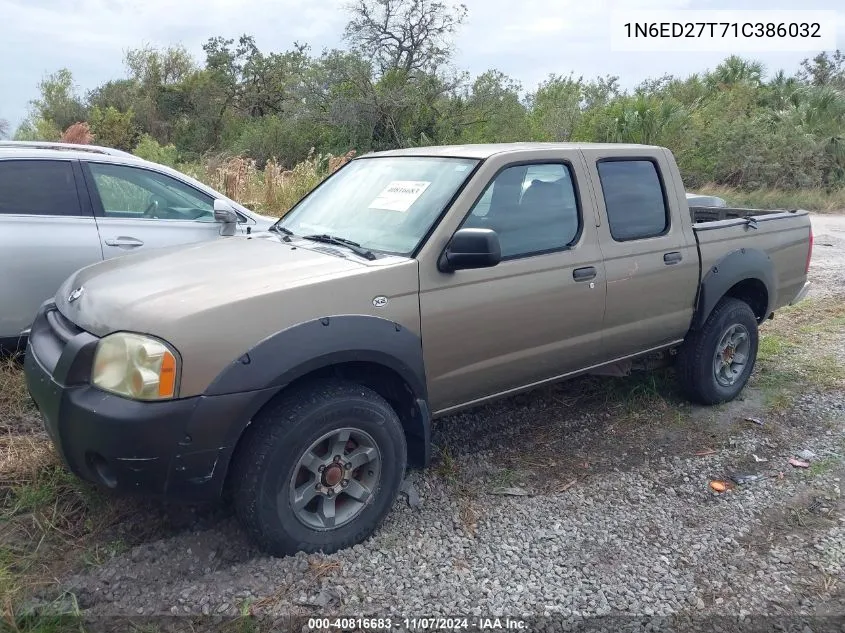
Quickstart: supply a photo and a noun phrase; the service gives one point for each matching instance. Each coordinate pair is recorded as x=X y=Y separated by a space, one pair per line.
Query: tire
x=268 y=472
x=697 y=358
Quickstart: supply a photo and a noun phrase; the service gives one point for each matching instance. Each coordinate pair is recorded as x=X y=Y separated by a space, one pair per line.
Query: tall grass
x=809 y=199
x=272 y=190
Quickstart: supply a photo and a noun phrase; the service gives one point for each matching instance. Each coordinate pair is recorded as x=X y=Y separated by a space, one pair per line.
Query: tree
x=641 y=119
x=556 y=108
x=59 y=101
x=38 y=129
x=825 y=69
x=122 y=94
x=408 y=35
x=494 y=110
x=736 y=70
x=4 y=128
x=149 y=149
x=152 y=67
x=114 y=128
x=153 y=89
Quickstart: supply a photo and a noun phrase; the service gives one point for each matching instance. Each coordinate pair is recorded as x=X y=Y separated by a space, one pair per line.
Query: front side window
x=532 y=208
x=387 y=203
x=131 y=192
x=38 y=187
x=633 y=197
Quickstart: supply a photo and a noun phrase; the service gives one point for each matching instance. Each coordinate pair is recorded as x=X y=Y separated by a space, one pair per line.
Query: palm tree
x=782 y=91
x=642 y=119
x=736 y=70
x=819 y=111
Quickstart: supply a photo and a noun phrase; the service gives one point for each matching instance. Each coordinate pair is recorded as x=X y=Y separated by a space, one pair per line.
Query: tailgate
x=784 y=236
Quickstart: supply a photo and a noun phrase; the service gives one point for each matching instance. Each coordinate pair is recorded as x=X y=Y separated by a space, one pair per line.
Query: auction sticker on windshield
x=399 y=195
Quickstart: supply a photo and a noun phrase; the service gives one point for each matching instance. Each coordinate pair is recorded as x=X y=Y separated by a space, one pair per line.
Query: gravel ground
x=603 y=515
x=828 y=267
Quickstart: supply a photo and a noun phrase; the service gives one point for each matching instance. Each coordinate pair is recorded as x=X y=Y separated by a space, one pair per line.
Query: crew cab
x=300 y=369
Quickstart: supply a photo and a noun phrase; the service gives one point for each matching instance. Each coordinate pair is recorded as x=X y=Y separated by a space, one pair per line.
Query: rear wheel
x=320 y=469
x=715 y=362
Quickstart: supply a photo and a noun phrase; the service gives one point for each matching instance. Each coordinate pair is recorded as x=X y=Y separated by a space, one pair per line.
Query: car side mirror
x=226 y=215
x=471 y=248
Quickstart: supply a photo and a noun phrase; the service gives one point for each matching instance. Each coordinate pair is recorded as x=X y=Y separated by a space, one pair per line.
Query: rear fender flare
x=736 y=266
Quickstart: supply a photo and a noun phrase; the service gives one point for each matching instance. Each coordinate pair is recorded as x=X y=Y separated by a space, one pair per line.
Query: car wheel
x=319 y=469
x=715 y=362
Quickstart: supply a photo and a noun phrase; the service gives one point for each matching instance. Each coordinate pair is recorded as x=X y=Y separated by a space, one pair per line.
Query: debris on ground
x=327 y=597
x=705 y=452
x=566 y=486
x=719 y=485
x=510 y=492
x=797 y=463
x=410 y=491
x=758 y=459
x=746 y=479
x=806 y=455
x=756 y=421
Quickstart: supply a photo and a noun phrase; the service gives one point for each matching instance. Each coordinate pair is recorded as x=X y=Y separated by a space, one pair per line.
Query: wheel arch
x=745 y=274
x=371 y=351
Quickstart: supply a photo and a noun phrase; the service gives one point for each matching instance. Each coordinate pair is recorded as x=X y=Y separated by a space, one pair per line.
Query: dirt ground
x=581 y=505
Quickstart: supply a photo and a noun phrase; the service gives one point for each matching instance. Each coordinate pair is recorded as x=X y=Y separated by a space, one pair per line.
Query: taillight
x=809 y=252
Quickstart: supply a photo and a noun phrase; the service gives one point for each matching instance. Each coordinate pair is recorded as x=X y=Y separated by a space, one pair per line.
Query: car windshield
x=384 y=203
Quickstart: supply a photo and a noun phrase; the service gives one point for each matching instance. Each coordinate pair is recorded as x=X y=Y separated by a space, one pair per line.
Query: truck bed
x=781 y=234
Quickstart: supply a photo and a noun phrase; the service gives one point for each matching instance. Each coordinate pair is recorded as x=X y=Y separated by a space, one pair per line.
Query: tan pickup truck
x=299 y=370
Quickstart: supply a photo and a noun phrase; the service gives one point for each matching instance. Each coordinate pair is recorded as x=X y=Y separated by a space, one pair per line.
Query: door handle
x=124 y=242
x=584 y=274
x=672 y=258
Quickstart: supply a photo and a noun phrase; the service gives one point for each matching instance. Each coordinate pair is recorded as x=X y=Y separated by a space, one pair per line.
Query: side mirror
x=471 y=248
x=226 y=215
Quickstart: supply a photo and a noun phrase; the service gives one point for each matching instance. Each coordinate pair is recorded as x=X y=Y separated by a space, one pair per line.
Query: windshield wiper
x=355 y=247
x=284 y=232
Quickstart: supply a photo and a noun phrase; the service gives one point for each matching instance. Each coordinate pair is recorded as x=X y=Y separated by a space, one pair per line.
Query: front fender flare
x=291 y=353
x=281 y=358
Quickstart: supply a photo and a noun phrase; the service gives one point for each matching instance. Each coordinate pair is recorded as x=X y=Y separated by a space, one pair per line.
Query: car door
x=47 y=232
x=650 y=260
x=534 y=316
x=137 y=208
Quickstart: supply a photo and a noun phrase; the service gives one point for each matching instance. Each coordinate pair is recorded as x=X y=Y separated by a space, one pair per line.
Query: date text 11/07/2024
x=419 y=624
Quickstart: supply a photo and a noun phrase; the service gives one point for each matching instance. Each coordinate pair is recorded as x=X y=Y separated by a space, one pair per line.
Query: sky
x=526 y=39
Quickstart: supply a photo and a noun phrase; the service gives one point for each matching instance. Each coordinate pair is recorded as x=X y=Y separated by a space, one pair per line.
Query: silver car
x=64 y=206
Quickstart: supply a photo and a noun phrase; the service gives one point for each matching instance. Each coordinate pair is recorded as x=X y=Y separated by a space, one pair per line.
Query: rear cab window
x=38 y=187
x=634 y=198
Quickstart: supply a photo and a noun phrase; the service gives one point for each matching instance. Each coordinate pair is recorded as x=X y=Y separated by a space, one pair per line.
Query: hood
x=167 y=285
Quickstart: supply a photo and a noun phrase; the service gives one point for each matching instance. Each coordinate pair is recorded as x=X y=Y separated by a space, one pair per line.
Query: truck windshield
x=385 y=204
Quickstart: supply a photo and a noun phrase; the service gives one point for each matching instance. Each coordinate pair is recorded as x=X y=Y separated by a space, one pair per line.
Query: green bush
x=150 y=149
x=287 y=142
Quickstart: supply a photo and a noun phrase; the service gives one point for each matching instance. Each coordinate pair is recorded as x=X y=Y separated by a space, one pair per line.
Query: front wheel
x=715 y=362
x=319 y=469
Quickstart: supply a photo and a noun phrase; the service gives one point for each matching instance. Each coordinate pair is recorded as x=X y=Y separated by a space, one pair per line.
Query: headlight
x=135 y=366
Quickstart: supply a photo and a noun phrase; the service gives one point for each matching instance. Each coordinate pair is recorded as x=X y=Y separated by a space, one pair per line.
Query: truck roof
x=485 y=150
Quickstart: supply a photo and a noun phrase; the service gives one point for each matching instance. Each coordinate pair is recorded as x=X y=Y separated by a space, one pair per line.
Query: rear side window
x=633 y=196
x=38 y=187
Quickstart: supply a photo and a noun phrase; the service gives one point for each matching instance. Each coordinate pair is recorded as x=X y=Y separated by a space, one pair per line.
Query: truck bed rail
x=715 y=214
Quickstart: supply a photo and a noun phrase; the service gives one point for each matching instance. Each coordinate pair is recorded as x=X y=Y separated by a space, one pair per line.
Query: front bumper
x=178 y=449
